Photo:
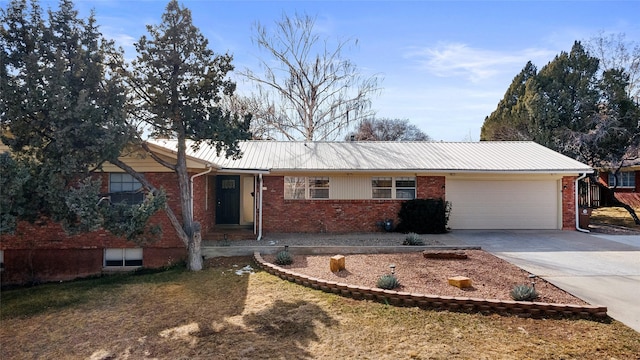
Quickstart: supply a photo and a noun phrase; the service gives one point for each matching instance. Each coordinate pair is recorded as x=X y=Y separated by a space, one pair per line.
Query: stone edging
x=520 y=308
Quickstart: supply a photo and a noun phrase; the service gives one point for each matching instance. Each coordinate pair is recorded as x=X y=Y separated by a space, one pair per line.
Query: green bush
x=388 y=282
x=424 y=216
x=284 y=258
x=413 y=239
x=524 y=293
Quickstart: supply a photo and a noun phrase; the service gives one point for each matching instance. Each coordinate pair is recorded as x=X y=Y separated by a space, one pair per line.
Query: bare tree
x=615 y=52
x=308 y=89
x=387 y=130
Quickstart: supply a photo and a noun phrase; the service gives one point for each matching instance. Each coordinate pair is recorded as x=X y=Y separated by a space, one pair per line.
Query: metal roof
x=485 y=156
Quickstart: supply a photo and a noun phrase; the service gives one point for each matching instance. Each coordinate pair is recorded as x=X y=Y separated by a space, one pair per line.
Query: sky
x=444 y=65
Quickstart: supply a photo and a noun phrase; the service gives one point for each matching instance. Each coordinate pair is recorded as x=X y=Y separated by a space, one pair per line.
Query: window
x=1 y=260
x=123 y=257
x=405 y=188
x=294 y=187
x=382 y=187
x=625 y=179
x=393 y=188
x=306 y=187
x=318 y=187
x=123 y=188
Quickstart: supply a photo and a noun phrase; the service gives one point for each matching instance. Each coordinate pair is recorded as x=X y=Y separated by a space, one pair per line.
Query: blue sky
x=445 y=64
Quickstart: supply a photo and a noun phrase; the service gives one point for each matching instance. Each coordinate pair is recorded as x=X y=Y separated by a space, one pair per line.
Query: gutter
x=577 y=206
x=191 y=187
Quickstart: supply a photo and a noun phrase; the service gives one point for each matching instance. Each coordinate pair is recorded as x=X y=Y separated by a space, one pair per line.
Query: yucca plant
x=413 y=239
x=524 y=293
x=284 y=258
x=388 y=282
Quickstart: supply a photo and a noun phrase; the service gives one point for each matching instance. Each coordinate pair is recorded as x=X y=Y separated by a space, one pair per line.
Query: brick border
x=460 y=304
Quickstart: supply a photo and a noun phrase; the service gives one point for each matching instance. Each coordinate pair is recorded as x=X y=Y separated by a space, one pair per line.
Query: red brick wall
x=569 y=203
x=337 y=216
x=43 y=251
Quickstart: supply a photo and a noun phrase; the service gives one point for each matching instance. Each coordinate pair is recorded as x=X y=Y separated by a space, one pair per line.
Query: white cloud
x=461 y=60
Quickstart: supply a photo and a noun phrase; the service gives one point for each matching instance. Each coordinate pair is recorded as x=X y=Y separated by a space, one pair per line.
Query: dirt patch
x=492 y=277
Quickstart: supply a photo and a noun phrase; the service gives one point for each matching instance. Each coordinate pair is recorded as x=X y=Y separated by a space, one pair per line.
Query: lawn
x=614 y=216
x=218 y=314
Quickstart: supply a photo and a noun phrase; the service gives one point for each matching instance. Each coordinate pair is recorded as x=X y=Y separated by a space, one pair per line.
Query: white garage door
x=503 y=204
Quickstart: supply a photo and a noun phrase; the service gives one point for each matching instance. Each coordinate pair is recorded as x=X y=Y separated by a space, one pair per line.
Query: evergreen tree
x=179 y=83
x=511 y=119
x=61 y=110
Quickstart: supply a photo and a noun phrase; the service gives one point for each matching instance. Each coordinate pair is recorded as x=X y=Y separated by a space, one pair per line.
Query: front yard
x=224 y=313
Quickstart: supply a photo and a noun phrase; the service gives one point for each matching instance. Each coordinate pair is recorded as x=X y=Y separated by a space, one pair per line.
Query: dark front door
x=227 y=199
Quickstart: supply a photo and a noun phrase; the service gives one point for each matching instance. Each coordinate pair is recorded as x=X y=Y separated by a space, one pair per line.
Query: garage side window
x=393 y=188
x=405 y=188
x=122 y=257
x=124 y=188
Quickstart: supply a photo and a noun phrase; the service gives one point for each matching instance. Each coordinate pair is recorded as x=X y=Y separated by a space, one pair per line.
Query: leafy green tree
x=387 y=130
x=179 y=84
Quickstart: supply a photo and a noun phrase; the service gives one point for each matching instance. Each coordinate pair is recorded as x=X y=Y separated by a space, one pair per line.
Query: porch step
x=229 y=234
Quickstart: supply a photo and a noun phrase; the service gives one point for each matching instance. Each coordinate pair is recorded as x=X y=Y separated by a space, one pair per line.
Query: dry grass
x=614 y=216
x=216 y=314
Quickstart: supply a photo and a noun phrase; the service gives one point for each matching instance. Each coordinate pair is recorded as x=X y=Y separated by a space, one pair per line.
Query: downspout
x=191 y=186
x=260 y=209
x=577 y=206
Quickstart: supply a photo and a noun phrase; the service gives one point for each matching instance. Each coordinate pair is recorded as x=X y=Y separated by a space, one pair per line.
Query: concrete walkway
x=600 y=269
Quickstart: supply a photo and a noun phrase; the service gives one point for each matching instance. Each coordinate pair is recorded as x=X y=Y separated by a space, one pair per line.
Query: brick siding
x=44 y=252
x=335 y=216
x=569 y=203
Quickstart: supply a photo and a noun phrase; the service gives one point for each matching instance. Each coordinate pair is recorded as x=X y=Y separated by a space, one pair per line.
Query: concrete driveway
x=600 y=269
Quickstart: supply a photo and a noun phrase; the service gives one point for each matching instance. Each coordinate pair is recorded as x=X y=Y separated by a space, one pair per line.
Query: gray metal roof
x=499 y=156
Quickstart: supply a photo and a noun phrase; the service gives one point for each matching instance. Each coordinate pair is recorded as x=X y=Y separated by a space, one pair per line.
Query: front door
x=228 y=199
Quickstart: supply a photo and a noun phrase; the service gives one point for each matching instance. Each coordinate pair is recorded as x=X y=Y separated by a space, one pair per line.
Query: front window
x=393 y=188
x=318 y=187
x=124 y=188
x=300 y=187
x=405 y=188
x=294 y=187
x=123 y=257
x=624 y=179
x=382 y=187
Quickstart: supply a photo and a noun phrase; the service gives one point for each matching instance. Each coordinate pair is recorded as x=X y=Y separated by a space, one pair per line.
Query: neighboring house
x=626 y=181
x=335 y=187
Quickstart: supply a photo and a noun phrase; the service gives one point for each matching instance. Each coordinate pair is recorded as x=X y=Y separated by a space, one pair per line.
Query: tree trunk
x=194 y=261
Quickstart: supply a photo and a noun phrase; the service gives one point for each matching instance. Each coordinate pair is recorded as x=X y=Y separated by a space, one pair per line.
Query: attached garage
x=504 y=204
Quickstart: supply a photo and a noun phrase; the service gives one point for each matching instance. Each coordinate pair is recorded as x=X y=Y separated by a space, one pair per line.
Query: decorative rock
x=337 y=263
x=460 y=282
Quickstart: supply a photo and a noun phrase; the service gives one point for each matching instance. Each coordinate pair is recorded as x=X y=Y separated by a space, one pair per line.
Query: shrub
x=424 y=216
x=524 y=293
x=388 y=282
x=413 y=239
x=284 y=258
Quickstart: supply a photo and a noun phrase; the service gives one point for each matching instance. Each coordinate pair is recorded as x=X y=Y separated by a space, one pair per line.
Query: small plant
x=388 y=282
x=524 y=293
x=413 y=239
x=284 y=258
